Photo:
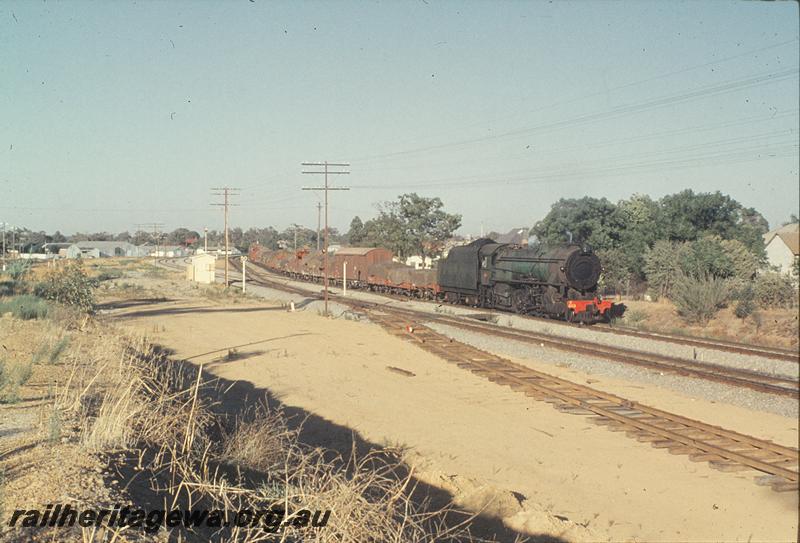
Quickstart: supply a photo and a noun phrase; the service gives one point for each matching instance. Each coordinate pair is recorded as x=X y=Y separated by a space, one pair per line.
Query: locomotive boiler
x=559 y=282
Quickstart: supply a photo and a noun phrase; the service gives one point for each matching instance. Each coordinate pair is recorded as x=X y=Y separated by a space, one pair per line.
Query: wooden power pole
x=227 y=193
x=319 y=213
x=326 y=188
x=156 y=226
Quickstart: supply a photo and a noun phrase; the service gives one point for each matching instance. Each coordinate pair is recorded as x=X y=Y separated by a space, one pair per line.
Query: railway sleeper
x=728 y=466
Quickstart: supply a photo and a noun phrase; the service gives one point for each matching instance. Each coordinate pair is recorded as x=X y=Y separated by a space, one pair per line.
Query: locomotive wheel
x=518 y=300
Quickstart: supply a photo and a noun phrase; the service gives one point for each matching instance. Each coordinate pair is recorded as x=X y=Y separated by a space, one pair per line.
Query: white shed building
x=202 y=269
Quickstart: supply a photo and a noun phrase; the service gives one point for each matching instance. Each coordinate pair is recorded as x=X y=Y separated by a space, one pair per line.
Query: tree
x=357 y=232
x=413 y=225
x=638 y=219
x=615 y=270
x=661 y=266
x=58 y=237
x=688 y=216
x=585 y=220
x=182 y=236
x=141 y=237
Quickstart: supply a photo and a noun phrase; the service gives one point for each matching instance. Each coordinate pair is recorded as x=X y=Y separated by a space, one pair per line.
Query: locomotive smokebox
x=582 y=269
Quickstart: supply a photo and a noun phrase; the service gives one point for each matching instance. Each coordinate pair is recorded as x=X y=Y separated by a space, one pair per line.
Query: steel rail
x=723 y=449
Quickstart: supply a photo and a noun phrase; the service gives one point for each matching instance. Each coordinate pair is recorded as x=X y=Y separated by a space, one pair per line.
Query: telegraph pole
x=296 y=226
x=226 y=193
x=4 y=246
x=319 y=213
x=156 y=226
x=326 y=188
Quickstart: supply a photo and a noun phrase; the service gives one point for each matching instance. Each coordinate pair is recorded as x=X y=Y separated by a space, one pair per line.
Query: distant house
x=419 y=263
x=62 y=250
x=516 y=236
x=783 y=246
x=107 y=249
x=164 y=251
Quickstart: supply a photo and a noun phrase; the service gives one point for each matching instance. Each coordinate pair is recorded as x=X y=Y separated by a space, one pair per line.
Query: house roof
x=103 y=244
x=515 y=236
x=355 y=250
x=789 y=234
x=57 y=245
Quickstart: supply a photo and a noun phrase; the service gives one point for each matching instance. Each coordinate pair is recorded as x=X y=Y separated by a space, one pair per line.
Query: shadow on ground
x=233 y=398
x=203 y=309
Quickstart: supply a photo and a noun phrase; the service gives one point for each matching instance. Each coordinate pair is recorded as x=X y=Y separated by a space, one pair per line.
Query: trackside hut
x=202 y=268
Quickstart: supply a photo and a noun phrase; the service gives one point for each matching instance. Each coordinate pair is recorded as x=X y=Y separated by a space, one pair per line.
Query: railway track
x=787 y=355
x=770 y=384
x=773 y=465
x=724 y=450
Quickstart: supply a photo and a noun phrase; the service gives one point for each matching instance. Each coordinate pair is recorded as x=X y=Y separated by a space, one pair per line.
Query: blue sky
x=118 y=113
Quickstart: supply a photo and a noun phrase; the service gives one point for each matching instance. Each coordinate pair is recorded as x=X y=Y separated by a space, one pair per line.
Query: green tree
x=661 y=266
x=357 y=233
x=588 y=220
x=413 y=225
x=688 y=216
x=639 y=223
x=616 y=274
x=182 y=236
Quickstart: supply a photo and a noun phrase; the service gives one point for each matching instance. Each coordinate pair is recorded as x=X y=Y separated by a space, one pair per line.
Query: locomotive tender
x=558 y=282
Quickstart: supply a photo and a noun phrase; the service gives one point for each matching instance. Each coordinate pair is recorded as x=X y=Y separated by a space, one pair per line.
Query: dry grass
x=125 y=395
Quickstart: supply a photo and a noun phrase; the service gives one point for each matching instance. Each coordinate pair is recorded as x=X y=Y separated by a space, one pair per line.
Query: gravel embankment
x=697 y=388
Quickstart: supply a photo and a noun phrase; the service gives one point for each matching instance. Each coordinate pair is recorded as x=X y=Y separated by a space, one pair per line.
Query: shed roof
x=103 y=244
x=357 y=250
x=203 y=256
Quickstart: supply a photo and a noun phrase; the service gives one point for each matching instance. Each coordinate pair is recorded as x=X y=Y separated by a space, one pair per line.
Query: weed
x=58 y=349
x=698 y=300
x=634 y=317
x=11 y=378
x=54 y=426
x=108 y=275
x=25 y=307
x=40 y=353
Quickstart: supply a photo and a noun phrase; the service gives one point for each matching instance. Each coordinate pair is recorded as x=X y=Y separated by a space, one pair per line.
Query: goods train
x=558 y=282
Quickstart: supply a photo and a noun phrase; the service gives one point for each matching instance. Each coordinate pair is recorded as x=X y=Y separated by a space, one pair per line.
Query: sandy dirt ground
x=478 y=439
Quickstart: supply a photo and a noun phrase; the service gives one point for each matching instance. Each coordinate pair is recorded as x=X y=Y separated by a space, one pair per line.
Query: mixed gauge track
x=723 y=449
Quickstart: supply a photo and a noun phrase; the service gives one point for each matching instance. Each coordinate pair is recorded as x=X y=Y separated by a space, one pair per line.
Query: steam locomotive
x=558 y=282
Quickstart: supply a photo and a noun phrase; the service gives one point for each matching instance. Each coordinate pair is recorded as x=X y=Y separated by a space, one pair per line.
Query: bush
x=698 y=300
x=59 y=348
x=774 y=289
x=25 y=307
x=746 y=304
x=108 y=275
x=18 y=269
x=634 y=317
x=11 y=378
x=69 y=286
